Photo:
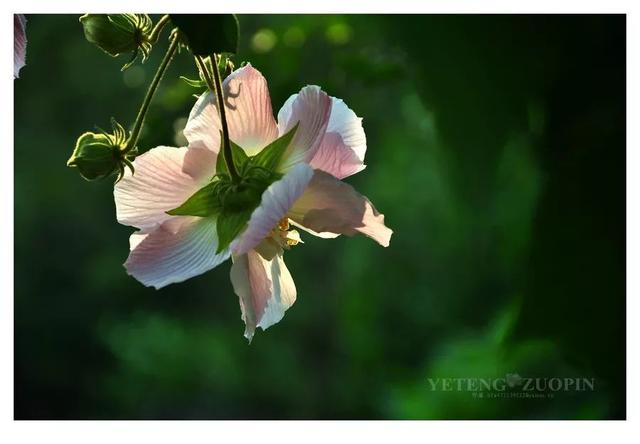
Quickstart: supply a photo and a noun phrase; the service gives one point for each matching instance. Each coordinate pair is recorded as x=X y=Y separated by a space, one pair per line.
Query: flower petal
x=311 y=108
x=342 y=150
x=275 y=202
x=336 y=158
x=248 y=111
x=329 y=205
x=164 y=178
x=203 y=125
x=19 y=43
x=323 y=235
x=177 y=250
x=265 y=289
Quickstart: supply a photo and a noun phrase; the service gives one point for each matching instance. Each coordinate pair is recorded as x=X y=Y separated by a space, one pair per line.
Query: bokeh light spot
x=294 y=37
x=338 y=33
x=263 y=41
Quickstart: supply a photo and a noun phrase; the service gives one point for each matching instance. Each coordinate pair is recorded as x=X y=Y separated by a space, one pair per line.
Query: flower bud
x=95 y=156
x=100 y=155
x=118 y=33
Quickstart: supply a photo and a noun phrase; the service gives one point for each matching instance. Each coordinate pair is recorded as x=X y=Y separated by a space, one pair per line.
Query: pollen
x=282 y=235
x=283 y=225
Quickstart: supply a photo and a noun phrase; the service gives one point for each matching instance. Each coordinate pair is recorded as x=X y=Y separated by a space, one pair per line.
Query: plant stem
x=216 y=86
x=155 y=33
x=137 y=126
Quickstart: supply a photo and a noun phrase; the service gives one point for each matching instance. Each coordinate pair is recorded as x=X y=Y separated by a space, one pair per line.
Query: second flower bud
x=98 y=155
x=119 y=33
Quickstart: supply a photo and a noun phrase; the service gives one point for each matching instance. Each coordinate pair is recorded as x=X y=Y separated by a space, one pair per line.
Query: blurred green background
x=496 y=150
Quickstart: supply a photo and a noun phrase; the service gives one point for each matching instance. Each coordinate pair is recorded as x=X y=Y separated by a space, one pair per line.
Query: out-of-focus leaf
x=209 y=33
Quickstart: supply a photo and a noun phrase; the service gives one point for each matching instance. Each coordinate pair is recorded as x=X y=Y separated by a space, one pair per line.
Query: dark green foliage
x=209 y=33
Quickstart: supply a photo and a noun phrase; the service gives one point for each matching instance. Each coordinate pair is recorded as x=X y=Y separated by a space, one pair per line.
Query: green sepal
x=238 y=154
x=208 y=34
x=194 y=83
x=229 y=225
x=271 y=155
x=225 y=65
x=203 y=203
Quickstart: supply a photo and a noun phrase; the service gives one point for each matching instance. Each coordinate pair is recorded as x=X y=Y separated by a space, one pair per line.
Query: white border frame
x=344 y=431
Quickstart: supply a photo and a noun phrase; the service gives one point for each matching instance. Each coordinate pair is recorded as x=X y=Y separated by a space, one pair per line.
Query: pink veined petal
x=329 y=205
x=177 y=250
x=274 y=204
x=248 y=110
x=164 y=178
x=19 y=43
x=342 y=150
x=311 y=110
x=336 y=158
x=265 y=289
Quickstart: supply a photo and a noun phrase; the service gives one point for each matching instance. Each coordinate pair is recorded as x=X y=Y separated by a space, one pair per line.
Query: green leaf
x=271 y=155
x=204 y=203
x=207 y=34
x=238 y=154
x=229 y=225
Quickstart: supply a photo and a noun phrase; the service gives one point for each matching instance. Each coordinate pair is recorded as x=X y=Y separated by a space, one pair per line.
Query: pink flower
x=329 y=144
x=19 y=43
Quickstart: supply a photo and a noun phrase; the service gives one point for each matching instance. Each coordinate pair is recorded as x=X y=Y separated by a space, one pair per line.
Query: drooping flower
x=328 y=144
x=19 y=43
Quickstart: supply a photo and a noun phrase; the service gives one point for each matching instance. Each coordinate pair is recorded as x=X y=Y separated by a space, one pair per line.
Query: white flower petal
x=342 y=150
x=203 y=125
x=265 y=289
x=177 y=250
x=164 y=178
x=248 y=111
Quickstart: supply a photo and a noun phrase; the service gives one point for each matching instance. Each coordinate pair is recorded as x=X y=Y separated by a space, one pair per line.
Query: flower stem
x=215 y=85
x=137 y=126
x=155 y=32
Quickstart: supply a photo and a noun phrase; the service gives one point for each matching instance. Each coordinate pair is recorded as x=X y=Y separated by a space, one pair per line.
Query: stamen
x=283 y=225
x=282 y=236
